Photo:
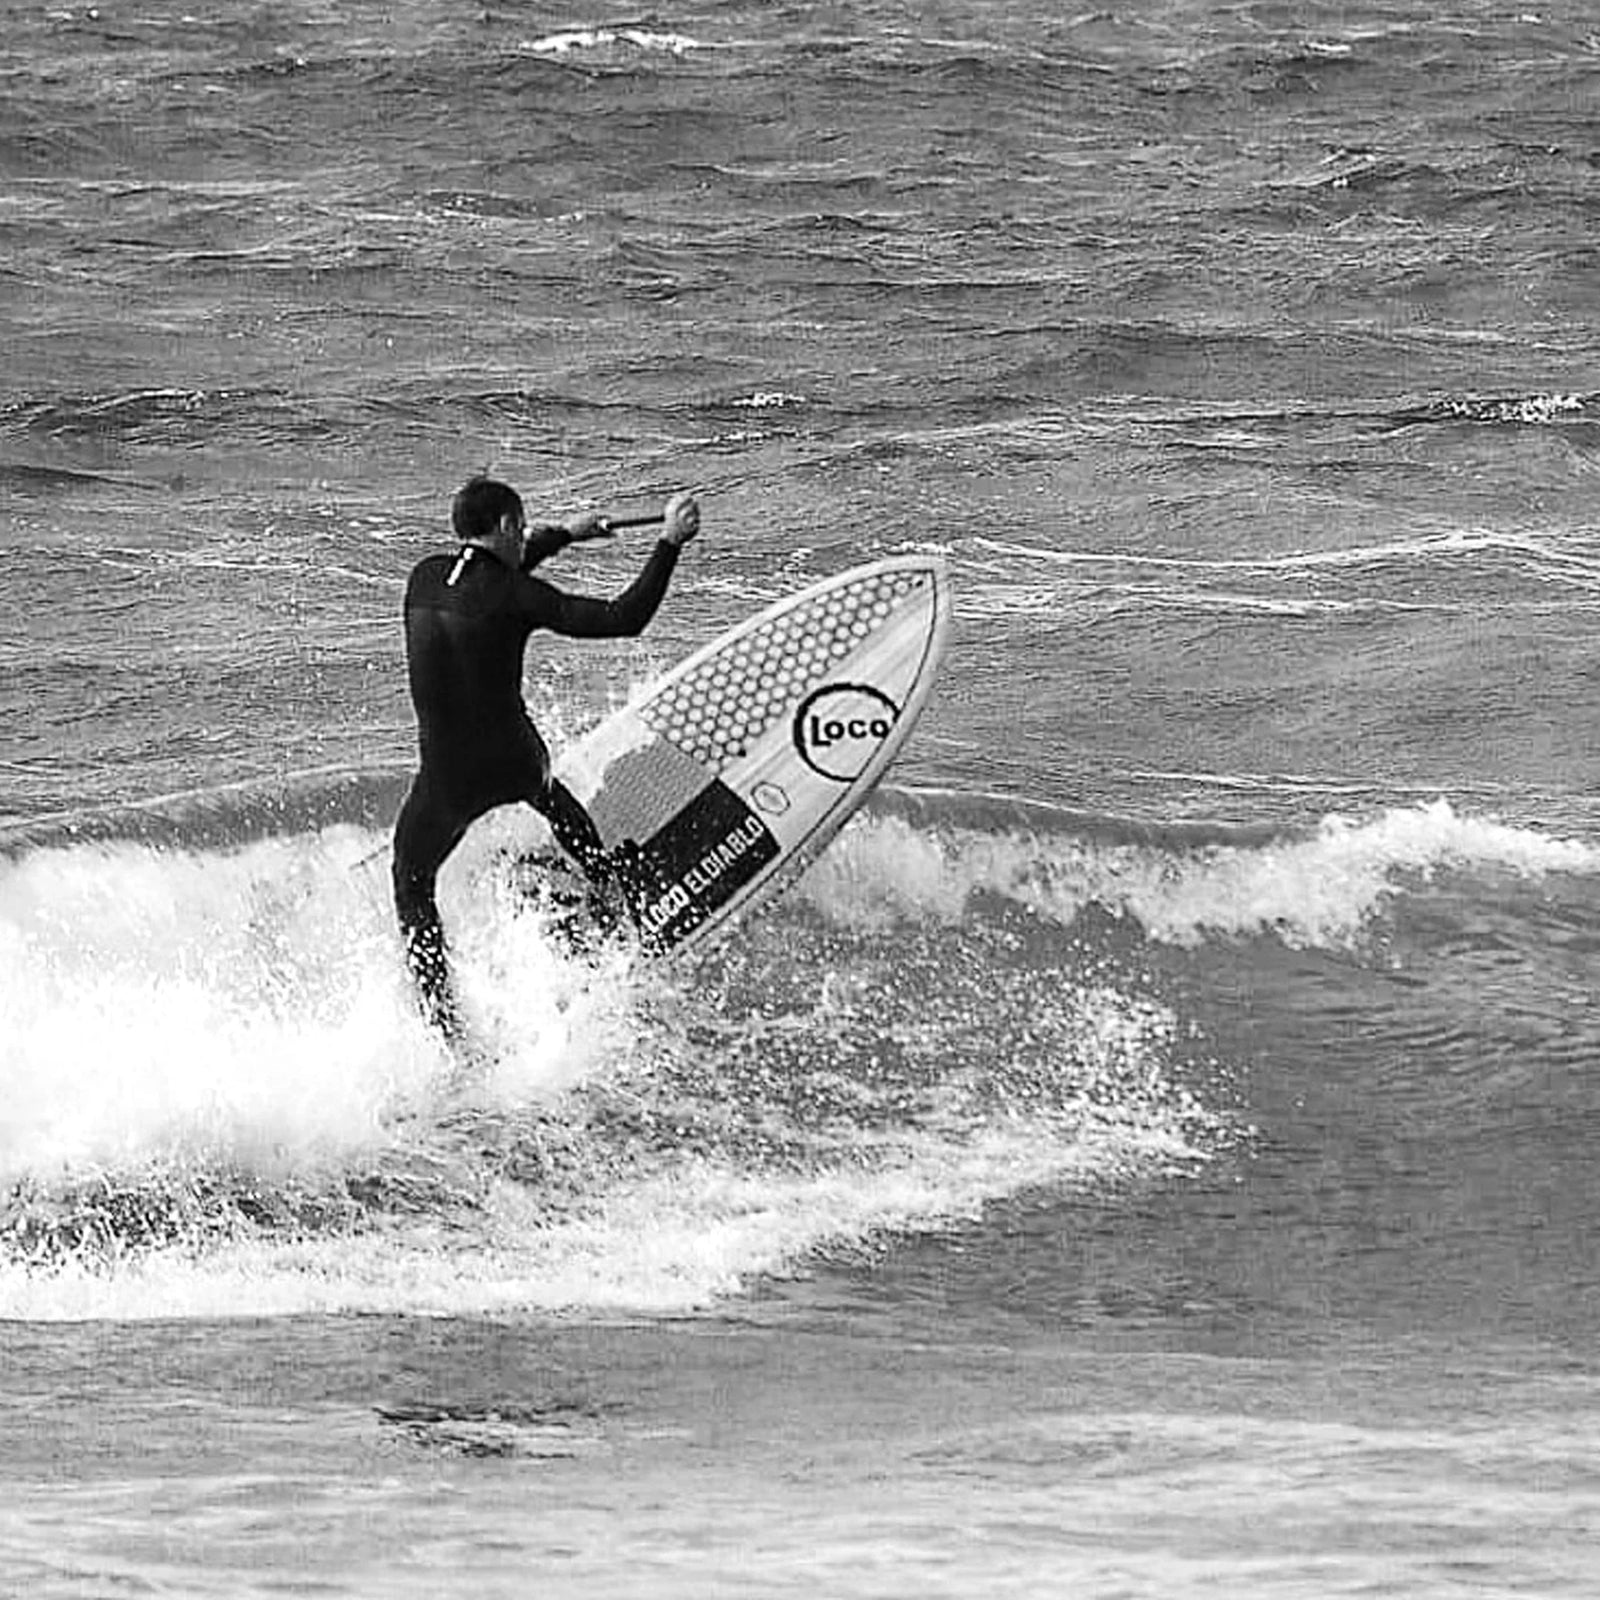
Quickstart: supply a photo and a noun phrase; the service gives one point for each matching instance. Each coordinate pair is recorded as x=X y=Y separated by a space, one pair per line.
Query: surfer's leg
x=571 y=824
x=576 y=834
x=423 y=839
x=574 y=829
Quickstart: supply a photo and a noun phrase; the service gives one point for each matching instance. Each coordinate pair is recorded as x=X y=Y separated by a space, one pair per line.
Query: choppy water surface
x=1150 y=1151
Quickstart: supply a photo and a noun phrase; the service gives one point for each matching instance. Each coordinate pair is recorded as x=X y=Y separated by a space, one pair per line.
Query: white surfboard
x=731 y=773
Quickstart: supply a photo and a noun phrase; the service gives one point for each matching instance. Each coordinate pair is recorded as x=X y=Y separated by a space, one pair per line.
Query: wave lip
x=1182 y=886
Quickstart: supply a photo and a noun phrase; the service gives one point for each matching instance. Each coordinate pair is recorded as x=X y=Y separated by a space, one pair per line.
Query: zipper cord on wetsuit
x=467 y=552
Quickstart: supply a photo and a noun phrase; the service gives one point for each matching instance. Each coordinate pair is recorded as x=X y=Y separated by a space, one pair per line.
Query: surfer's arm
x=582 y=617
x=545 y=539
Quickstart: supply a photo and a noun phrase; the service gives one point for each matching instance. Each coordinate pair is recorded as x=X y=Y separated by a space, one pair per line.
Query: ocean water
x=1152 y=1152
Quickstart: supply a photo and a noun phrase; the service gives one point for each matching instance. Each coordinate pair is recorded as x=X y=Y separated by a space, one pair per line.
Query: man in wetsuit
x=468 y=615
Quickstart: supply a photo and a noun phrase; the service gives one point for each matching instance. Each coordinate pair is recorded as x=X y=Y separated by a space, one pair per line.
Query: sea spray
x=156 y=998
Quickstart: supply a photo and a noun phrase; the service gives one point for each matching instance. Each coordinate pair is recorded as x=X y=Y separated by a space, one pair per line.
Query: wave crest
x=1320 y=889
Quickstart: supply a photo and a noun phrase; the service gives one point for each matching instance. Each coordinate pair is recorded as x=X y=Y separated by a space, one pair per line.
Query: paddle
x=654 y=520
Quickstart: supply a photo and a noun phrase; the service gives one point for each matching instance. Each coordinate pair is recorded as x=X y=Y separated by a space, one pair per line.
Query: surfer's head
x=489 y=513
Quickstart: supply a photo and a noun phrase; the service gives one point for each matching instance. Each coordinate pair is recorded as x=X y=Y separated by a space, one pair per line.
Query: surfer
x=468 y=615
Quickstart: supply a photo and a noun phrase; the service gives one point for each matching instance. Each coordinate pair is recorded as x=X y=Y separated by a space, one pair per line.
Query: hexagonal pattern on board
x=717 y=711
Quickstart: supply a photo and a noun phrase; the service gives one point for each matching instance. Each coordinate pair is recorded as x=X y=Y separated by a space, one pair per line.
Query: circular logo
x=840 y=727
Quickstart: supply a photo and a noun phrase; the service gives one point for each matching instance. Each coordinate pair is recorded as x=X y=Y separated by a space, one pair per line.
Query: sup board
x=724 y=779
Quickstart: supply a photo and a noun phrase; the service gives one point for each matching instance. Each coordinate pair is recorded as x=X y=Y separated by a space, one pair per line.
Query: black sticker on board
x=708 y=852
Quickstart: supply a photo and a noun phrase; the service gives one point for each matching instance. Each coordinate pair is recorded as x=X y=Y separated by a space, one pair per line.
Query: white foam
x=670 y=1242
x=172 y=1018
x=564 y=43
x=155 y=1001
x=769 y=400
x=1321 y=890
x=250 y=1005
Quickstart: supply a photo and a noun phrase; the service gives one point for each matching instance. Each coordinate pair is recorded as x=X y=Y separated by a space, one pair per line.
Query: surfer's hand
x=682 y=519
x=591 y=525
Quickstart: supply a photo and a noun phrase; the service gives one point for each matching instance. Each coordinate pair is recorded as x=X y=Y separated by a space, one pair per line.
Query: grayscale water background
x=1152 y=1153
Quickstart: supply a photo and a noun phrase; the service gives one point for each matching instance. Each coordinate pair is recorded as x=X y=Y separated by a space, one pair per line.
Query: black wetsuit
x=468 y=617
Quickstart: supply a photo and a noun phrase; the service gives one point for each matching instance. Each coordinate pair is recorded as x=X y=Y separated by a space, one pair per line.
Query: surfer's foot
x=434 y=991
x=442 y=1012
x=615 y=891
x=609 y=905
x=628 y=867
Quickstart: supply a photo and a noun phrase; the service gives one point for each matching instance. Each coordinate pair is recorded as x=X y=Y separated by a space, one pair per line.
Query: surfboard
x=721 y=781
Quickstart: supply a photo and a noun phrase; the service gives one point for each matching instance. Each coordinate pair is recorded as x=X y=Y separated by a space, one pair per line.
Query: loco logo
x=840 y=727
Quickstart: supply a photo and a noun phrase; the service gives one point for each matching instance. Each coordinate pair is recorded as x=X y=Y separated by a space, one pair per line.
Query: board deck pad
x=724 y=779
